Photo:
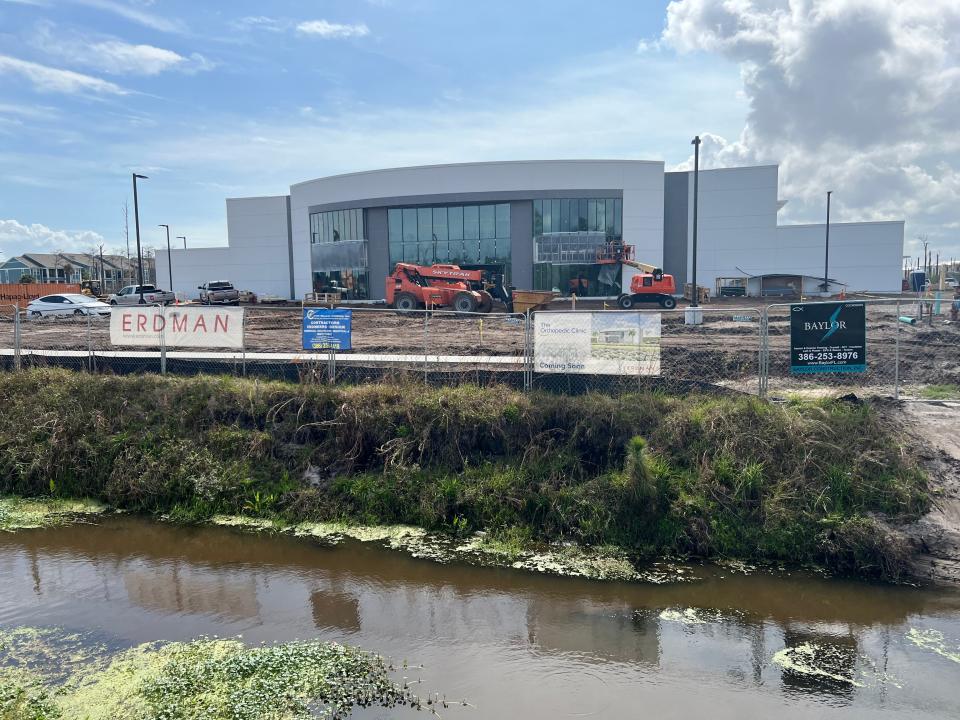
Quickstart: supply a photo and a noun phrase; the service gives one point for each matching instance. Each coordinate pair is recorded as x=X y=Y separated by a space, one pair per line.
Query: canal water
x=514 y=644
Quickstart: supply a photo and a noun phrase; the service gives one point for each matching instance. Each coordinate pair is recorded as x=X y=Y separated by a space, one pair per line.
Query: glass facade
x=457 y=234
x=567 y=233
x=337 y=225
x=339 y=253
x=351 y=283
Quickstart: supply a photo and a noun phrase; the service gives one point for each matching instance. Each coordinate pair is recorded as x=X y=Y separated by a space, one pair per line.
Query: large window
x=567 y=234
x=352 y=283
x=458 y=234
x=593 y=215
x=337 y=226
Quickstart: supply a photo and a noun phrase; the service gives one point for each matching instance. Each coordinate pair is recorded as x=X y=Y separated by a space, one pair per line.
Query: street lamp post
x=696 y=194
x=169 y=260
x=826 y=252
x=136 y=222
x=184 y=238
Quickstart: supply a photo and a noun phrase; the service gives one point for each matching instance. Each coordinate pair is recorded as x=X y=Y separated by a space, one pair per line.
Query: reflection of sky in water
x=516 y=644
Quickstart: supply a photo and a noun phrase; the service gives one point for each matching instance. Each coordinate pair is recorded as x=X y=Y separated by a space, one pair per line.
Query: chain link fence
x=745 y=350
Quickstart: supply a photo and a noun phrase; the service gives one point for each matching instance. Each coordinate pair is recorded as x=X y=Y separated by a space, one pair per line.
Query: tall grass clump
x=698 y=474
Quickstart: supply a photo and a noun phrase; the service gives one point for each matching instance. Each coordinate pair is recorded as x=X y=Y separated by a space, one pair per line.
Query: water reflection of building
x=604 y=631
x=335 y=610
x=171 y=589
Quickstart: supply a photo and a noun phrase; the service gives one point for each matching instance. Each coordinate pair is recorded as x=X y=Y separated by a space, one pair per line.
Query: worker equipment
x=651 y=284
x=413 y=287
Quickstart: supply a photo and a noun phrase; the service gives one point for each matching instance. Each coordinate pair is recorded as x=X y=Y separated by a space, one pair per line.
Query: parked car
x=219 y=292
x=152 y=295
x=67 y=305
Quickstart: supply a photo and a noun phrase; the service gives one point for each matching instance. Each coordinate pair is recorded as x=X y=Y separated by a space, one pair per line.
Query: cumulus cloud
x=857 y=96
x=17 y=238
x=325 y=29
x=49 y=79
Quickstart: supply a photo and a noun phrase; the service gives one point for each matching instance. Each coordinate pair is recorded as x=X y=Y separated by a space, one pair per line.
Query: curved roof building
x=541 y=221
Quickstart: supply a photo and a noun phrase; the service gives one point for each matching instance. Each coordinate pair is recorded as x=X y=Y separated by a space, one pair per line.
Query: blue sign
x=326 y=329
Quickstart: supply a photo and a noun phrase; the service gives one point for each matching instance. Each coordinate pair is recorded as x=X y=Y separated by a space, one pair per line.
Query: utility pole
x=826 y=254
x=136 y=222
x=169 y=259
x=126 y=236
x=696 y=193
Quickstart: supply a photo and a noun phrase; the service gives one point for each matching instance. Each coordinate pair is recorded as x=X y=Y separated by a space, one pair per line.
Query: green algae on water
x=23 y=514
x=934 y=641
x=816 y=660
x=205 y=678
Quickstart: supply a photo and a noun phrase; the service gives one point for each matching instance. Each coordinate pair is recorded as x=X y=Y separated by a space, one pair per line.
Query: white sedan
x=67 y=305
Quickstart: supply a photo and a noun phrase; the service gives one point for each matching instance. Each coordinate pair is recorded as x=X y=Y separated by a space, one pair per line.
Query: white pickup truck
x=152 y=295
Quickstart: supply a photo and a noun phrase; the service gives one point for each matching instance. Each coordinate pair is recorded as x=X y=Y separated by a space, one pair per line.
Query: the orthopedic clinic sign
x=179 y=326
x=603 y=343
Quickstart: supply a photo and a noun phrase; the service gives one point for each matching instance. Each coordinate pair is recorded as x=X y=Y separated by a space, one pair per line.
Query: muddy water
x=514 y=644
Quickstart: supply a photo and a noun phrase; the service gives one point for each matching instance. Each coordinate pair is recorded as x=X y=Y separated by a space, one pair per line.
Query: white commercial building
x=541 y=222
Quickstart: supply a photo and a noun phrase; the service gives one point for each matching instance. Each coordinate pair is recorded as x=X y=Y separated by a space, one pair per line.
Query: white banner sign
x=604 y=343
x=197 y=327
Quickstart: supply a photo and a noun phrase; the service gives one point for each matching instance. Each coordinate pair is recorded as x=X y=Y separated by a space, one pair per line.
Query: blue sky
x=215 y=100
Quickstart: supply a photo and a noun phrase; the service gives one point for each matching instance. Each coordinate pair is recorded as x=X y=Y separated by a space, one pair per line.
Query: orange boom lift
x=651 y=284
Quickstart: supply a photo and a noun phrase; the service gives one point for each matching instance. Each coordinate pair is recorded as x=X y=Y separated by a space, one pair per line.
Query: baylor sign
x=828 y=337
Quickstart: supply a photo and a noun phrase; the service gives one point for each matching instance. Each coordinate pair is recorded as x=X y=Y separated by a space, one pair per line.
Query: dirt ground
x=935 y=539
x=723 y=350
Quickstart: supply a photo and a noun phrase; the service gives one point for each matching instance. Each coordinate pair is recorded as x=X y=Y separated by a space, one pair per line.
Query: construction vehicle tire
x=464 y=302
x=625 y=302
x=405 y=302
x=486 y=302
x=668 y=303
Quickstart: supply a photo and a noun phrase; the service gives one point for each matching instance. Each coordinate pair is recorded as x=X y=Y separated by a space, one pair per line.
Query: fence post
x=896 y=355
x=331 y=366
x=243 y=344
x=425 y=339
x=528 y=352
x=89 y=344
x=16 y=337
x=763 y=362
x=163 y=340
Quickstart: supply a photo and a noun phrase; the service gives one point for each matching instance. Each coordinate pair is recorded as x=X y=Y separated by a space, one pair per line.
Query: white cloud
x=113 y=56
x=48 y=79
x=857 y=96
x=260 y=22
x=34 y=112
x=325 y=29
x=134 y=14
x=17 y=238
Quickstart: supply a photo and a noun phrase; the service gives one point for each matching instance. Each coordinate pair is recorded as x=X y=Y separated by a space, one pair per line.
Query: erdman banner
x=828 y=337
x=179 y=326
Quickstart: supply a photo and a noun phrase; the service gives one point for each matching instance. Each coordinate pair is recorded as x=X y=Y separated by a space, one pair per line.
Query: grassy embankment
x=653 y=473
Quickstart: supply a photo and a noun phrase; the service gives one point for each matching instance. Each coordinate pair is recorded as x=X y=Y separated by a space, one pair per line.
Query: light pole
x=136 y=223
x=696 y=193
x=826 y=252
x=169 y=260
x=184 y=238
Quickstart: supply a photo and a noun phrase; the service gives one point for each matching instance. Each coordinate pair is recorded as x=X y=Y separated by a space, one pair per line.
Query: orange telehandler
x=651 y=284
x=413 y=287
